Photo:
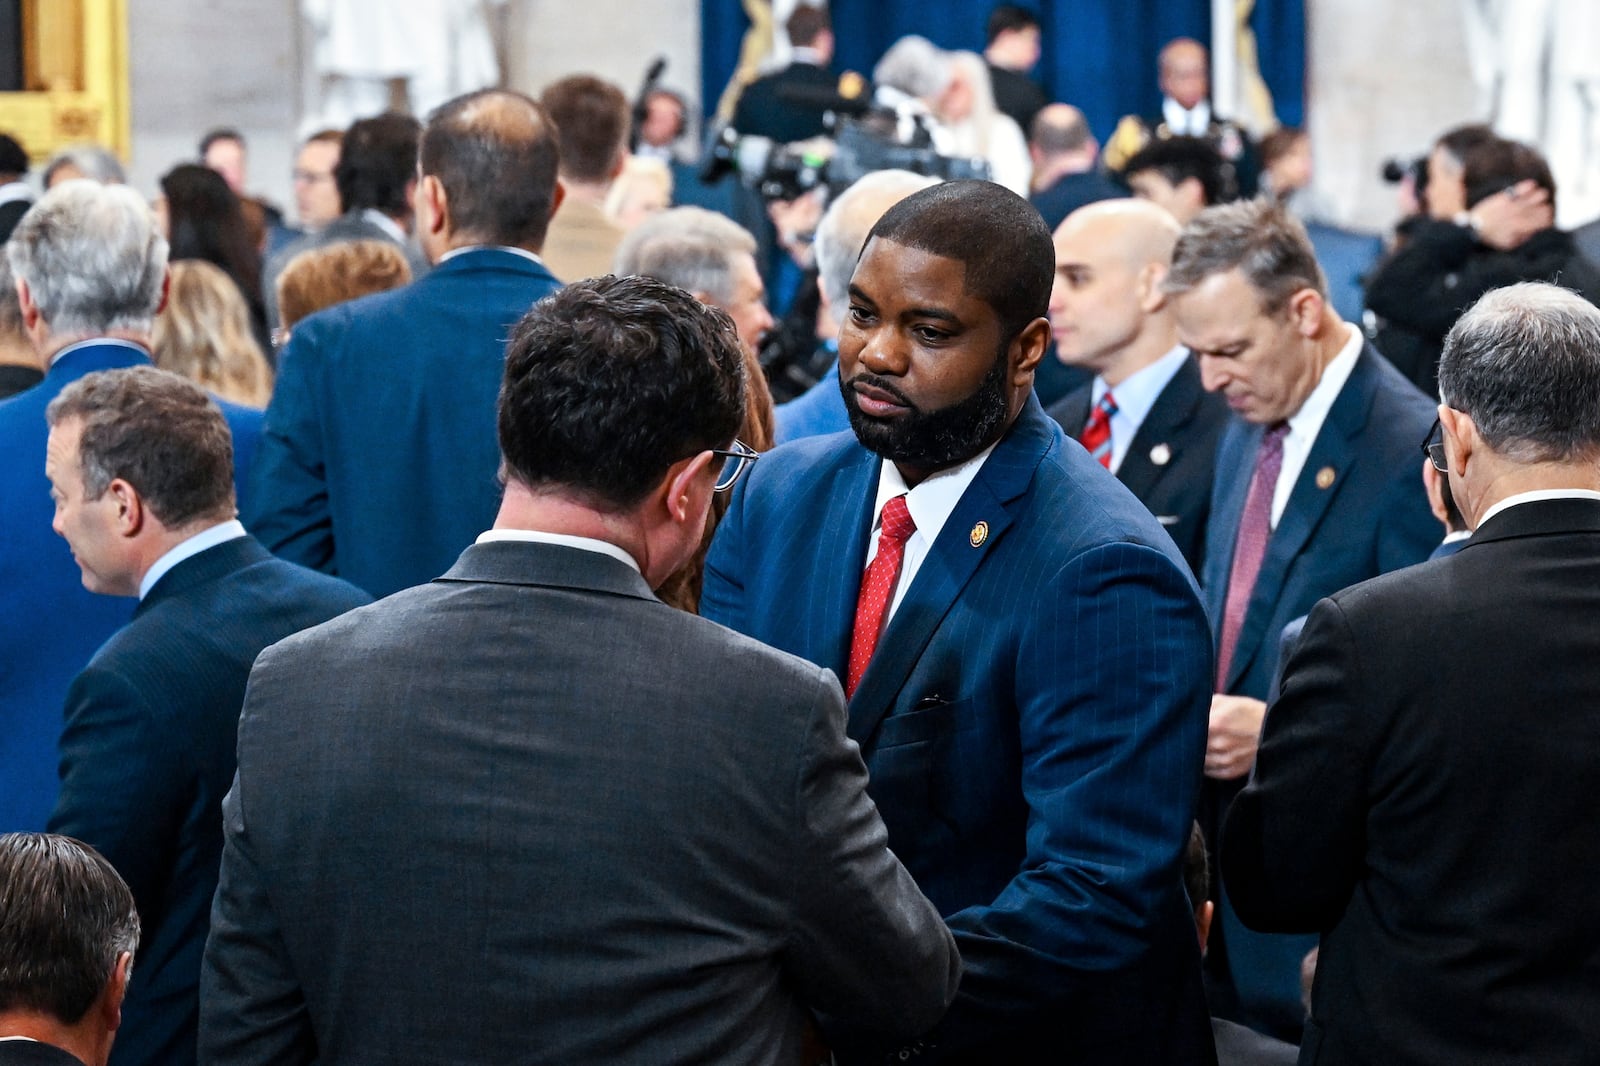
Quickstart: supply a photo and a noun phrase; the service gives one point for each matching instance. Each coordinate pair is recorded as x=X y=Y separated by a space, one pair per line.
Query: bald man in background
x=1064 y=155
x=1145 y=416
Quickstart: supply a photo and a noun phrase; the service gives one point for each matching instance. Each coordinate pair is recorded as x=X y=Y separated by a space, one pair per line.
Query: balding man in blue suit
x=91 y=272
x=1026 y=656
x=379 y=461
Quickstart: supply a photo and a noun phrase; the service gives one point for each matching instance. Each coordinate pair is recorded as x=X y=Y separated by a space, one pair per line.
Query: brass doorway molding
x=75 y=77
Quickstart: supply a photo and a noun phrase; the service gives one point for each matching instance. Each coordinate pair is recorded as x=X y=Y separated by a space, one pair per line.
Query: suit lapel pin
x=979 y=534
x=1325 y=477
x=1161 y=455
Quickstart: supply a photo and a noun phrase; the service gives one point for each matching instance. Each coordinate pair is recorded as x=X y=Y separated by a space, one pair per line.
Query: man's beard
x=932 y=440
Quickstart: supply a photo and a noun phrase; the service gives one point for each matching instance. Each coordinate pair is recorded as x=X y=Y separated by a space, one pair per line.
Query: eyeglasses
x=1433 y=447
x=736 y=460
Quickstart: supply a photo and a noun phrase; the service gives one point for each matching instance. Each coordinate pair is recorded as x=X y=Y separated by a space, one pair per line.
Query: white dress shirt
x=1192 y=122
x=930 y=504
x=1306 y=423
x=565 y=540
x=1537 y=496
x=220 y=533
x=141 y=349
x=464 y=249
x=1134 y=398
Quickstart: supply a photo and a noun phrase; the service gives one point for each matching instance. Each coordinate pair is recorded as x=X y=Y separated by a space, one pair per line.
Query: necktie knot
x=897 y=522
x=1107 y=404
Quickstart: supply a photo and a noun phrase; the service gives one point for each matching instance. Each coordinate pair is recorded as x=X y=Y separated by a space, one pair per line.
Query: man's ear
x=1305 y=310
x=431 y=192
x=1193 y=192
x=1150 y=279
x=116 y=989
x=131 y=514
x=558 y=194
x=30 y=310
x=1027 y=349
x=687 y=491
x=166 y=289
x=1460 y=439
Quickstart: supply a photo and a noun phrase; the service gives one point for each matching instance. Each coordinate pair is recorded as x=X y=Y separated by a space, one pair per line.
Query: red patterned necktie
x=1096 y=437
x=1250 y=545
x=877 y=587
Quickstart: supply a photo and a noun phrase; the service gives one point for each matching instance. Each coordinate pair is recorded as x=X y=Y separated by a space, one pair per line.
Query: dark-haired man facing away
x=530 y=813
x=593 y=116
x=379 y=461
x=70 y=934
x=141 y=470
x=1025 y=652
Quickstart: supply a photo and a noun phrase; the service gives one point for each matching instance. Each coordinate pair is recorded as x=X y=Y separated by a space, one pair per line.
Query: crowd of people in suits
x=430 y=635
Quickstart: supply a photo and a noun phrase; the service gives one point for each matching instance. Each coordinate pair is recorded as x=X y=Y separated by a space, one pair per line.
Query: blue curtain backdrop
x=1098 y=54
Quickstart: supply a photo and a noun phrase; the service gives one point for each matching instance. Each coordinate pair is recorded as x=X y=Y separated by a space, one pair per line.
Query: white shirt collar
x=385 y=223
x=803 y=54
x=565 y=540
x=452 y=253
x=1192 y=122
x=931 y=503
x=98 y=341
x=220 y=533
x=1135 y=396
x=1537 y=496
x=1455 y=535
x=12 y=191
x=1306 y=423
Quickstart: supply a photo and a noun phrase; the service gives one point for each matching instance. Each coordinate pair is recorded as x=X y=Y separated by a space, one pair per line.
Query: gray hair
x=10 y=307
x=689 y=247
x=844 y=228
x=915 y=66
x=1524 y=362
x=92 y=257
x=1258 y=238
x=92 y=161
x=66 y=917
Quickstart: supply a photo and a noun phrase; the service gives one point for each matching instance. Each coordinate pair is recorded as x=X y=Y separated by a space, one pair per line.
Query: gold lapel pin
x=979 y=534
x=1325 y=477
x=1161 y=455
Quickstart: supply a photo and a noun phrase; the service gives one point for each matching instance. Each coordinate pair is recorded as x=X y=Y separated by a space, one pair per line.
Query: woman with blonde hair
x=204 y=334
x=644 y=188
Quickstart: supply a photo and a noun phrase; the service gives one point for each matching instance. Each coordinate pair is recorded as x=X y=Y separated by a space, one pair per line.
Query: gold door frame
x=75 y=69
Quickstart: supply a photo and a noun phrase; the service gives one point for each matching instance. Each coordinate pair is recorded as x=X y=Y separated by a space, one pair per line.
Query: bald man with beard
x=1145 y=416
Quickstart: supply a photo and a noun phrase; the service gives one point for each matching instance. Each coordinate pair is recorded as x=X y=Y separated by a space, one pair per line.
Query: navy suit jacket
x=1371 y=517
x=1033 y=721
x=1181 y=430
x=379 y=462
x=148 y=754
x=49 y=623
x=1072 y=191
x=816 y=412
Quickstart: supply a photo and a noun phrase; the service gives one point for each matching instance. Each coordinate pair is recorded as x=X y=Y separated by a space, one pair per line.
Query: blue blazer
x=49 y=623
x=1371 y=517
x=818 y=411
x=380 y=459
x=148 y=754
x=1033 y=721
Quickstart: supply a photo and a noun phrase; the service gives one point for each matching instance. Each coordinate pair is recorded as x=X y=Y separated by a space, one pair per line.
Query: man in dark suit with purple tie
x=1024 y=651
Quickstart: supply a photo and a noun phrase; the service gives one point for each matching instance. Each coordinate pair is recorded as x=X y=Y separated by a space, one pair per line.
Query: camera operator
x=1489 y=222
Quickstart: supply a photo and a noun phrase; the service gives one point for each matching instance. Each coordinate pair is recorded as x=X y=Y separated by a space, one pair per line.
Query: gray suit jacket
x=528 y=813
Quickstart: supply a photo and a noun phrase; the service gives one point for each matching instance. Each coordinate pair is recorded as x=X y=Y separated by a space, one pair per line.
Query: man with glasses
x=1316 y=488
x=1426 y=781
x=595 y=828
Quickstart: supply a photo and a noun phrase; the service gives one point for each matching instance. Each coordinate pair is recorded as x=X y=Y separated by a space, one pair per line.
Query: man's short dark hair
x=13 y=159
x=591 y=117
x=65 y=919
x=1008 y=18
x=158 y=432
x=1524 y=362
x=805 y=24
x=377 y=160
x=221 y=133
x=1178 y=158
x=996 y=234
x=496 y=155
x=610 y=381
x=1498 y=164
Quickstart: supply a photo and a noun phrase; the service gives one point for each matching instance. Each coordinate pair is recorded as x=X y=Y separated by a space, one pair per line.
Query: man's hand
x=1509 y=217
x=1234 y=735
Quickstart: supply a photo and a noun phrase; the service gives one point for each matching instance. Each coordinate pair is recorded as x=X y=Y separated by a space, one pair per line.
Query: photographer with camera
x=1489 y=221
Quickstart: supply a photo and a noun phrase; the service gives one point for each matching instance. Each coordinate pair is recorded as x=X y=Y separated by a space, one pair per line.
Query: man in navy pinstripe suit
x=1028 y=673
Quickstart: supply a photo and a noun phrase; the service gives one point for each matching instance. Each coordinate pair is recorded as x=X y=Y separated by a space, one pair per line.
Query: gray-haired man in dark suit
x=529 y=813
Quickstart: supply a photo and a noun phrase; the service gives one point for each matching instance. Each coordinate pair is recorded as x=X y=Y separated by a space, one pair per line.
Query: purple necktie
x=1250 y=546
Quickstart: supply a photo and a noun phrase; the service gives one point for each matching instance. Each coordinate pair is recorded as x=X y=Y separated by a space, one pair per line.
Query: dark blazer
x=1169 y=462
x=609 y=832
x=762 y=110
x=1072 y=191
x=1033 y=720
x=35 y=1053
x=1017 y=96
x=379 y=462
x=11 y=213
x=49 y=623
x=148 y=754
x=1425 y=792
